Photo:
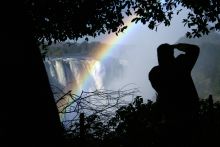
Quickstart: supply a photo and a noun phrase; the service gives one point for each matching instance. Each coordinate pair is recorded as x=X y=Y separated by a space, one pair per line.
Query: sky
x=139 y=50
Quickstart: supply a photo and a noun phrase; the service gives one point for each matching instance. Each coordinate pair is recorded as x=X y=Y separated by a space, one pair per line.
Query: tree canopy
x=61 y=19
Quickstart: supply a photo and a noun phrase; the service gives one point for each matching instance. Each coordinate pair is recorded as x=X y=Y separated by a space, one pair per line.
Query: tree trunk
x=28 y=113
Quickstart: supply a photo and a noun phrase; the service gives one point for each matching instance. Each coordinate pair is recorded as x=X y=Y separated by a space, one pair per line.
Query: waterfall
x=66 y=73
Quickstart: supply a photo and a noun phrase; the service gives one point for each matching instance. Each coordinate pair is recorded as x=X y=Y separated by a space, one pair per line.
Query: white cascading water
x=65 y=73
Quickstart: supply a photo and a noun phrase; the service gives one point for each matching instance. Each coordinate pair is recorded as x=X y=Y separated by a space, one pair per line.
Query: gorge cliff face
x=206 y=73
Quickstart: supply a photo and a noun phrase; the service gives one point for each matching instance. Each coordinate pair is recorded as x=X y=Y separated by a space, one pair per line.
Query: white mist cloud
x=140 y=52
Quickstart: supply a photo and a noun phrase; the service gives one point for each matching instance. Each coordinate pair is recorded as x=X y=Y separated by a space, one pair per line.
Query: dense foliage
x=143 y=124
x=62 y=19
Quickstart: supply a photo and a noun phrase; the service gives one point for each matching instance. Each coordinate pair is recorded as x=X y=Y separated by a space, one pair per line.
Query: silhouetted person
x=177 y=95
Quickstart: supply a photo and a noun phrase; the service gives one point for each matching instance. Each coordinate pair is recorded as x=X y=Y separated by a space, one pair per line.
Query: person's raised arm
x=190 y=56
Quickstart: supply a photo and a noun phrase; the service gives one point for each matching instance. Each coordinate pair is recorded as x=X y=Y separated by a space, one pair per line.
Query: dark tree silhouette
x=62 y=19
x=141 y=124
x=32 y=113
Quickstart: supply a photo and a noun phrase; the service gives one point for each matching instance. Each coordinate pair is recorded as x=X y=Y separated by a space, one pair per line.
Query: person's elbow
x=195 y=50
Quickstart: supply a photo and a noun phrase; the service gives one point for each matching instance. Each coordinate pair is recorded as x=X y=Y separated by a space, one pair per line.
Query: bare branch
x=102 y=103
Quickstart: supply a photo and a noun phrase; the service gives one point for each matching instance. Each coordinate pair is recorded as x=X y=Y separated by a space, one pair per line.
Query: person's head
x=165 y=53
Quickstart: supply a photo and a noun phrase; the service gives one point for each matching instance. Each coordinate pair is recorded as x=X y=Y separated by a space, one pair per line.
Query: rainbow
x=101 y=54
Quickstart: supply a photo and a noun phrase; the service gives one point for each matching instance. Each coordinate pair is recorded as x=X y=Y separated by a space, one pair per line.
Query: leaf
x=151 y=25
x=125 y=27
x=143 y=20
x=167 y=22
x=188 y=35
x=178 y=11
